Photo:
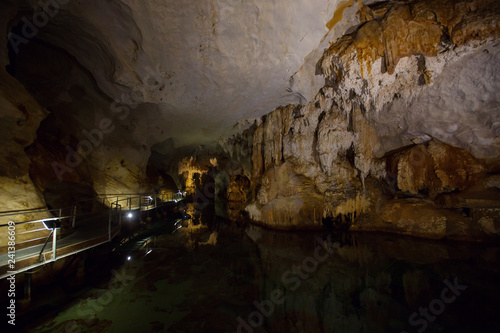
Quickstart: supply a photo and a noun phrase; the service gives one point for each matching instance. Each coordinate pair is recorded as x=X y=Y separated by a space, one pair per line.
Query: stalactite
x=352 y=208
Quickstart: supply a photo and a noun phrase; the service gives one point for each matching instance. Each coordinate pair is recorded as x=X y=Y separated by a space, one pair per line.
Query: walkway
x=88 y=230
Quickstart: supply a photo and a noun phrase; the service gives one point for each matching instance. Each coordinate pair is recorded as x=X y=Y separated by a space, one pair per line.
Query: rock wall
x=407 y=120
x=62 y=138
x=218 y=61
x=421 y=69
x=20 y=116
x=89 y=144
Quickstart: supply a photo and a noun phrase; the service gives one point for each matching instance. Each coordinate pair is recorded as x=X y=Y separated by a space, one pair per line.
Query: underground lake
x=206 y=274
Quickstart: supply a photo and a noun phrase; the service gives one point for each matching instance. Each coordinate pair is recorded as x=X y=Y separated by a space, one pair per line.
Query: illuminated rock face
x=192 y=173
x=85 y=140
x=152 y=75
x=370 y=80
x=426 y=69
x=20 y=117
x=237 y=189
x=435 y=168
x=410 y=104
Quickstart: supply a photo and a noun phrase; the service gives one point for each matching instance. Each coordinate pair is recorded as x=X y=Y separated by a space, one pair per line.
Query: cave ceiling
x=193 y=71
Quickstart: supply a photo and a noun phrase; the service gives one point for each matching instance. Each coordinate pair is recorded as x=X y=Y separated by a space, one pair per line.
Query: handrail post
x=73 y=221
x=54 y=237
x=45 y=244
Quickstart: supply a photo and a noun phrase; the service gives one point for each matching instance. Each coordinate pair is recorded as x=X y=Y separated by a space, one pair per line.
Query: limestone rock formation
x=192 y=172
x=19 y=119
x=237 y=189
x=436 y=168
x=409 y=73
x=385 y=112
x=218 y=61
x=418 y=74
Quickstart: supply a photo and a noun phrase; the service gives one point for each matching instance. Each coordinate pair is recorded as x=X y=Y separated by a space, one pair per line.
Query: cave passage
x=250 y=166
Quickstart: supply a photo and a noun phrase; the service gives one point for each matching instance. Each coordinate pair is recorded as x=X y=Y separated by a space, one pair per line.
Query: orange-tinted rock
x=20 y=116
x=394 y=31
x=192 y=171
x=418 y=218
x=435 y=167
x=238 y=188
x=159 y=180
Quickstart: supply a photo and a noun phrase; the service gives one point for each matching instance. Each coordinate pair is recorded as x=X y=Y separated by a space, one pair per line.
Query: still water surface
x=210 y=275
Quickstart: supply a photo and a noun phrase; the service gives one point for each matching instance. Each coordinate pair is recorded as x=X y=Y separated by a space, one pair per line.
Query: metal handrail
x=115 y=215
x=52 y=232
x=29 y=211
x=152 y=197
x=128 y=198
x=114 y=227
x=99 y=196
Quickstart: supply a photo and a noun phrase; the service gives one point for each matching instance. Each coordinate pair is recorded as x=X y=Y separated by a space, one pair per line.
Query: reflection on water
x=368 y=283
x=211 y=275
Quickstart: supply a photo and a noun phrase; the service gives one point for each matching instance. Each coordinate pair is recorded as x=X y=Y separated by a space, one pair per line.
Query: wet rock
x=435 y=168
x=404 y=77
x=493 y=182
x=238 y=189
x=311 y=167
x=192 y=172
x=384 y=61
x=418 y=218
